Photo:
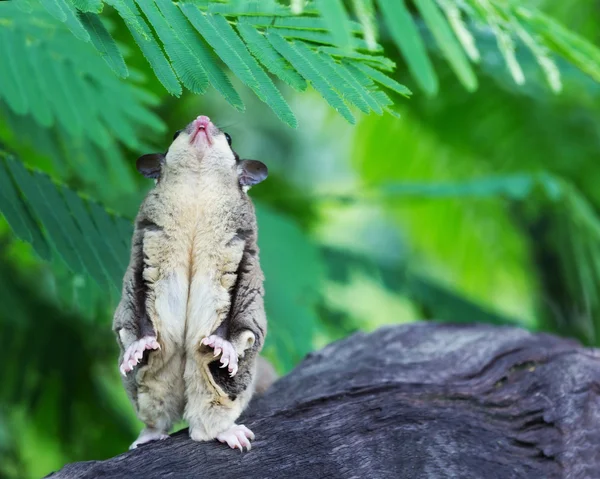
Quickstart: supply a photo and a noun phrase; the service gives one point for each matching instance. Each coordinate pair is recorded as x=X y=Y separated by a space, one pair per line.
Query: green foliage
x=321 y=24
x=50 y=76
x=480 y=204
x=55 y=220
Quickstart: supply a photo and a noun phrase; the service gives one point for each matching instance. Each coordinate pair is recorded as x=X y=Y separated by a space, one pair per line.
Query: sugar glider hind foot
x=229 y=358
x=134 y=353
x=237 y=436
x=149 y=435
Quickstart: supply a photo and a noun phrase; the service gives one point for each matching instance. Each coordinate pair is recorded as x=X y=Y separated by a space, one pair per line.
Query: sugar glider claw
x=135 y=352
x=224 y=348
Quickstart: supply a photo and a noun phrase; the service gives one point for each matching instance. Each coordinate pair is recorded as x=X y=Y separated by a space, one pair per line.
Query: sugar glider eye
x=176 y=134
x=228 y=138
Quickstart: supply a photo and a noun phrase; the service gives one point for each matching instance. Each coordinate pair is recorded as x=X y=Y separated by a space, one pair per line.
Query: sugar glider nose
x=203 y=121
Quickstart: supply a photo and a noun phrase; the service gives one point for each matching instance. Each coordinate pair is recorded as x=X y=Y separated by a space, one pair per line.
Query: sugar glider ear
x=252 y=172
x=149 y=165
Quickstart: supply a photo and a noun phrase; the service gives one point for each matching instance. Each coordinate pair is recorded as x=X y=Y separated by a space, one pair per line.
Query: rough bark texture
x=415 y=401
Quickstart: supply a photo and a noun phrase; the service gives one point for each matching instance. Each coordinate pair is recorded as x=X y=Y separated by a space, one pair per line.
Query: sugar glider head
x=202 y=147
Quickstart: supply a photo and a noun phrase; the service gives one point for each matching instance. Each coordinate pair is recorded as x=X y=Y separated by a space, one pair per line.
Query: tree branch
x=413 y=401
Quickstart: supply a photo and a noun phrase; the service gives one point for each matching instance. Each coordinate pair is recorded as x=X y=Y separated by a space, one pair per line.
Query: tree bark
x=422 y=400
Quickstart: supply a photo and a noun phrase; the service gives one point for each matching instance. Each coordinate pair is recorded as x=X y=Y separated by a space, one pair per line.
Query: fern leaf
x=317 y=36
x=382 y=63
x=43 y=212
x=365 y=11
x=214 y=74
x=115 y=115
x=302 y=23
x=12 y=207
x=88 y=6
x=541 y=54
x=130 y=14
x=55 y=8
x=453 y=14
x=33 y=85
x=249 y=7
x=61 y=83
x=19 y=216
x=488 y=14
x=384 y=80
x=447 y=43
x=221 y=36
x=104 y=43
x=221 y=42
x=268 y=56
x=383 y=101
x=307 y=64
x=408 y=40
x=337 y=75
x=336 y=18
x=96 y=246
x=64 y=217
x=186 y=63
x=148 y=45
x=72 y=20
x=10 y=86
x=104 y=222
x=364 y=85
x=69 y=223
x=577 y=50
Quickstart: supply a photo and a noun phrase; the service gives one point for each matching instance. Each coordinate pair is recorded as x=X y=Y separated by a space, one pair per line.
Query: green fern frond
x=384 y=80
x=306 y=63
x=248 y=7
x=181 y=49
x=302 y=23
x=447 y=42
x=11 y=88
x=337 y=74
x=407 y=38
x=317 y=36
x=365 y=11
x=221 y=36
x=336 y=19
x=104 y=43
x=454 y=15
x=79 y=231
x=268 y=56
x=149 y=47
x=365 y=86
x=88 y=6
x=217 y=77
x=49 y=76
x=71 y=18
x=131 y=16
x=574 y=48
x=18 y=216
x=56 y=9
x=490 y=16
x=324 y=26
x=382 y=63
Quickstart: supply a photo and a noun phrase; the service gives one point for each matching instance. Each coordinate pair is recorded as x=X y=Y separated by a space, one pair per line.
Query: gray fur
x=194 y=271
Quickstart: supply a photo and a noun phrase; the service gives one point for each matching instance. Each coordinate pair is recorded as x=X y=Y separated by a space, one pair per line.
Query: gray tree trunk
x=416 y=401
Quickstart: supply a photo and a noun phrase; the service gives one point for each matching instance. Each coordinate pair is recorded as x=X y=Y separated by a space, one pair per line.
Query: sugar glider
x=191 y=319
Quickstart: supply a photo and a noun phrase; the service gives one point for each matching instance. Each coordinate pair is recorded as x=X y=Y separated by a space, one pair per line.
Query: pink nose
x=202 y=121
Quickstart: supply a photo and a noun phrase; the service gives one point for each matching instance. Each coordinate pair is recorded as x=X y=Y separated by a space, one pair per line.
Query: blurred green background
x=475 y=205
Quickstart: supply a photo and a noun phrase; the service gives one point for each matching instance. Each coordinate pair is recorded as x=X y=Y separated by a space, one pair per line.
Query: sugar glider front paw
x=237 y=437
x=135 y=351
x=228 y=353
